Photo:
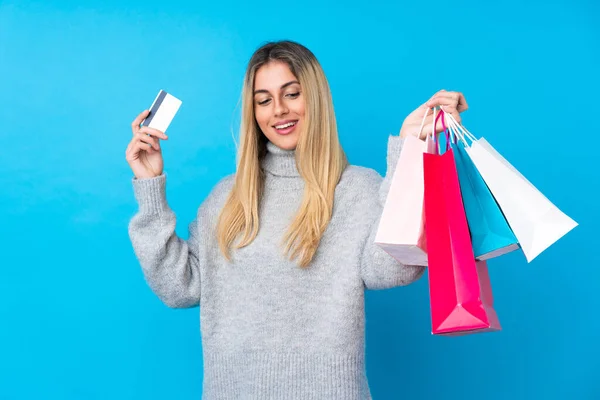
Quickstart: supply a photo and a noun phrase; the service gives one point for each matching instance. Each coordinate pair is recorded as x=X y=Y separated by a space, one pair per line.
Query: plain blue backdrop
x=77 y=320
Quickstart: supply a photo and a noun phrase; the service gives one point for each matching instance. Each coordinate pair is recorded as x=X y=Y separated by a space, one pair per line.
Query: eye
x=293 y=95
x=264 y=102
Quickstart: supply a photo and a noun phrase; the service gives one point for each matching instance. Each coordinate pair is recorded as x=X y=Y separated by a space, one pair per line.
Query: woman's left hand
x=451 y=102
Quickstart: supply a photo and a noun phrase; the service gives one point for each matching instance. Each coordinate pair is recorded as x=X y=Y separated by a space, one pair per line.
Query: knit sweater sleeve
x=170 y=264
x=380 y=270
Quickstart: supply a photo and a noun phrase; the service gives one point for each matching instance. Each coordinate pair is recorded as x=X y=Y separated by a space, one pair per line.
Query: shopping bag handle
x=460 y=131
x=423 y=123
x=453 y=126
x=445 y=130
x=452 y=132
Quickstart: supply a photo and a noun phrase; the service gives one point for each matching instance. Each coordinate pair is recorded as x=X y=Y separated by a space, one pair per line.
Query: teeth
x=285 y=125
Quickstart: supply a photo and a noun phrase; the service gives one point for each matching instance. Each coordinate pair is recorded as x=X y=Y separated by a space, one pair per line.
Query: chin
x=285 y=142
x=288 y=146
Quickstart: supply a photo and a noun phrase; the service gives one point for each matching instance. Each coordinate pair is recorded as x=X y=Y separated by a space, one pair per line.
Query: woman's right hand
x=144 y=154
x=451 y=102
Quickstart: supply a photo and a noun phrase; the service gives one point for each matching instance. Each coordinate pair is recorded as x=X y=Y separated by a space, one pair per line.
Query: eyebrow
x=282 y=87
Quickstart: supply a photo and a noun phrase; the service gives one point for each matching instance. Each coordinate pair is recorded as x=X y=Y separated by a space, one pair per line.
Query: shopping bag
x=491 y=235
x=459 y=288
x=401 y=231
x=535 y=221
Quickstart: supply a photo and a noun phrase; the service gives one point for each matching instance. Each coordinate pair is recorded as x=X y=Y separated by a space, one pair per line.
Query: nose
x=280 y=108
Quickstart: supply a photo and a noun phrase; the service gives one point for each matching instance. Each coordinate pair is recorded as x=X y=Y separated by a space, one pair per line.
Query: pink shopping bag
x=460 y=291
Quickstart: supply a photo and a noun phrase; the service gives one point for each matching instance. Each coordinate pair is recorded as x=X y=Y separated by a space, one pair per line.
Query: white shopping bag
x=534 y=219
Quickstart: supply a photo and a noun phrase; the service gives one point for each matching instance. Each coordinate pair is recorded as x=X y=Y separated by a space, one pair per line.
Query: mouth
x=285 y=127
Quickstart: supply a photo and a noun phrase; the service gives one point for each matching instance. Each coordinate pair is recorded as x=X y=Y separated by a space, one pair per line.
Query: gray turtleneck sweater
x=270 y=329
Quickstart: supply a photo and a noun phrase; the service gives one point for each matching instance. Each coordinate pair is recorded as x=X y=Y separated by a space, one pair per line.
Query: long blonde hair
x=320 y=159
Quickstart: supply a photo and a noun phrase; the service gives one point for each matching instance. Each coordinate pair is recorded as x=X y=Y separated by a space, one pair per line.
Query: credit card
x=162 y=111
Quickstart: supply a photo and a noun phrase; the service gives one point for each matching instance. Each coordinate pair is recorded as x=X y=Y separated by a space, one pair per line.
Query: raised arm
x=172 y=266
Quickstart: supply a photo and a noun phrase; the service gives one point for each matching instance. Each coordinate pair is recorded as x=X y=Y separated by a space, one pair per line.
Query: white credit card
x=162 y=111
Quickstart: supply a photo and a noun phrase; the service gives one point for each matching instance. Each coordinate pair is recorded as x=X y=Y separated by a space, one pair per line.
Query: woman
x=281 y=252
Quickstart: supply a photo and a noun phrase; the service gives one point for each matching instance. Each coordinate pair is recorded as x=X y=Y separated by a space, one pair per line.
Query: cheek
x=298 y=108
x=262 y=116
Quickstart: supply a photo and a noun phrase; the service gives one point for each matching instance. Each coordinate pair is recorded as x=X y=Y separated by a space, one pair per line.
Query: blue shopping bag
x=491 y=236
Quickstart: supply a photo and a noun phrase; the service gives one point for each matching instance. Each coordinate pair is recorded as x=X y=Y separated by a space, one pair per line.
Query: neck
x=280 y=162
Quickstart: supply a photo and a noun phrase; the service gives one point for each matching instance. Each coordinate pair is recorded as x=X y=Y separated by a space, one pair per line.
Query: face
x=278 y=104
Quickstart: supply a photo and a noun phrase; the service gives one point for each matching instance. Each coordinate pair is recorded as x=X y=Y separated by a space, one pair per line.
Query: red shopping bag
x=459 y=287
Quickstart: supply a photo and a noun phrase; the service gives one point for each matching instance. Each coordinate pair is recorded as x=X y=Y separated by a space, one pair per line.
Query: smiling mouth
x=286 y=125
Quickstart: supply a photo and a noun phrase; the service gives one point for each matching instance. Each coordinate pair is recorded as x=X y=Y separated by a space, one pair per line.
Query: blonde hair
x=320 y=159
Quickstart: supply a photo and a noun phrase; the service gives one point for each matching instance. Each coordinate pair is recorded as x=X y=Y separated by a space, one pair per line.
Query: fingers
x=148 y=140
x=153 y=132
x=142 y=142
x=449 y=101
x=462 y=103
x=444 y=99
x=144 y=146
x=144 y=139
x=453 y=112
x=135 y=125
x=138 y=144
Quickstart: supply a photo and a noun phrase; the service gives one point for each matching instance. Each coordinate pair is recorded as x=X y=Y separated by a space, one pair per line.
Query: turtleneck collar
x=280 y=162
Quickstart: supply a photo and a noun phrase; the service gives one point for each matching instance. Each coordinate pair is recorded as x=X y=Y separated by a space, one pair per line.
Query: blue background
x=77 y=320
